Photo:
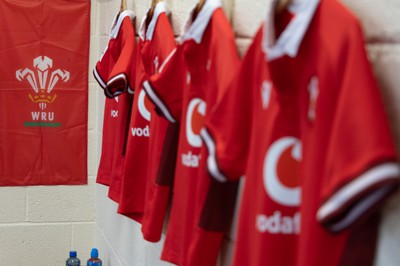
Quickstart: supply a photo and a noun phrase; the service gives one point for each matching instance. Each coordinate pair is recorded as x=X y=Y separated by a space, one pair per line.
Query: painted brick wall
x=119 y=239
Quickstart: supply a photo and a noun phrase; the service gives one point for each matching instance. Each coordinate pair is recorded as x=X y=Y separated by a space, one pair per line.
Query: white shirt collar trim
x=290 y=39
x=118 y=22
x=144 y=34
x=195 y=29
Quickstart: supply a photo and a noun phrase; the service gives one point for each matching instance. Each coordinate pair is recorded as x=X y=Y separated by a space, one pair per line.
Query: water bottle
x=73 y=260
x=94 y=258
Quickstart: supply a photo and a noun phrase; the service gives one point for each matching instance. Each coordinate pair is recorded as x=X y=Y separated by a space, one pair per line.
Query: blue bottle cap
x=94 y=253
x=72 y=253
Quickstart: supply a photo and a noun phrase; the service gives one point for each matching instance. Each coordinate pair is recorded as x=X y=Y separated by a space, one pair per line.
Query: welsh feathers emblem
x=42 y=79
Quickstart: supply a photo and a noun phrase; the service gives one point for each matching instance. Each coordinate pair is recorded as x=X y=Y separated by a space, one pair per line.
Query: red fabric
x=144 y=176
x=44 y=88
x=113 y=65
x=133 y=179
x=191 y=80
x=123 y=47
x=208 y=243
x=233 y=125
x=141 y=167
x=155 y=211
x=306 y=127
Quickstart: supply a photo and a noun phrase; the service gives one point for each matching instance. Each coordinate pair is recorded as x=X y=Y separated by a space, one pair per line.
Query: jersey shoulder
x=337 y=23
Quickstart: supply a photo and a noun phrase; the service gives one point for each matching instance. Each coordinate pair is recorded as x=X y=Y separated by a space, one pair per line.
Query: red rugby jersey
x=155 y=43
x=114 y=67
x=132 y=175
x=158 y=42
x=189 y=82
x=304 y=121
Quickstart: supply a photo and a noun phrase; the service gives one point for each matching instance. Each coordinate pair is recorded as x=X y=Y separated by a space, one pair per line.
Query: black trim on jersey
x=116 y=90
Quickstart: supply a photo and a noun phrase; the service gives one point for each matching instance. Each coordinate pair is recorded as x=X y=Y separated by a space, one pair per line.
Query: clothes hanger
x=278 y=8
x=200 y=5
x=281 y=5
x=123 y=5
x=198 y=8
x=151 y=10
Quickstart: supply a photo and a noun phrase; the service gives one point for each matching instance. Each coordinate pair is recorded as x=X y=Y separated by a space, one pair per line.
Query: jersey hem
x=169 y=257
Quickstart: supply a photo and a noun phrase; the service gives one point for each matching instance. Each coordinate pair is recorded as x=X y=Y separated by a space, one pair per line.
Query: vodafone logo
x=280 y=171
x=194 y=121
x=144 y=105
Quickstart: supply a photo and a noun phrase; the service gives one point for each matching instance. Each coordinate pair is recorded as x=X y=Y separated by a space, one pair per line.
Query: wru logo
x=47 y=80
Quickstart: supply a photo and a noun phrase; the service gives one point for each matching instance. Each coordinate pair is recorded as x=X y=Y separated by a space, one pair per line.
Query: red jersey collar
x=147 y=34
x=194 y=30
x=289 y=41
x=118 y=22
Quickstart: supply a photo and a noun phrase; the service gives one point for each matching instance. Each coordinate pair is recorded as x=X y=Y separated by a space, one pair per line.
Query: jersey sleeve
x=165 y=89
x=163 y=144
x=166 y=43
x=137 y=72
x=217 y=208
x=102 y=69
x=223 y=61
x=361 y=168
x=120 y=75
x=156 y=50
x=226 y=132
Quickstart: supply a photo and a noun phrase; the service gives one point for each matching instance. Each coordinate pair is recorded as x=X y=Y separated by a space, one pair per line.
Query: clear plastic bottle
x=94 y=258
x=73 y=260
